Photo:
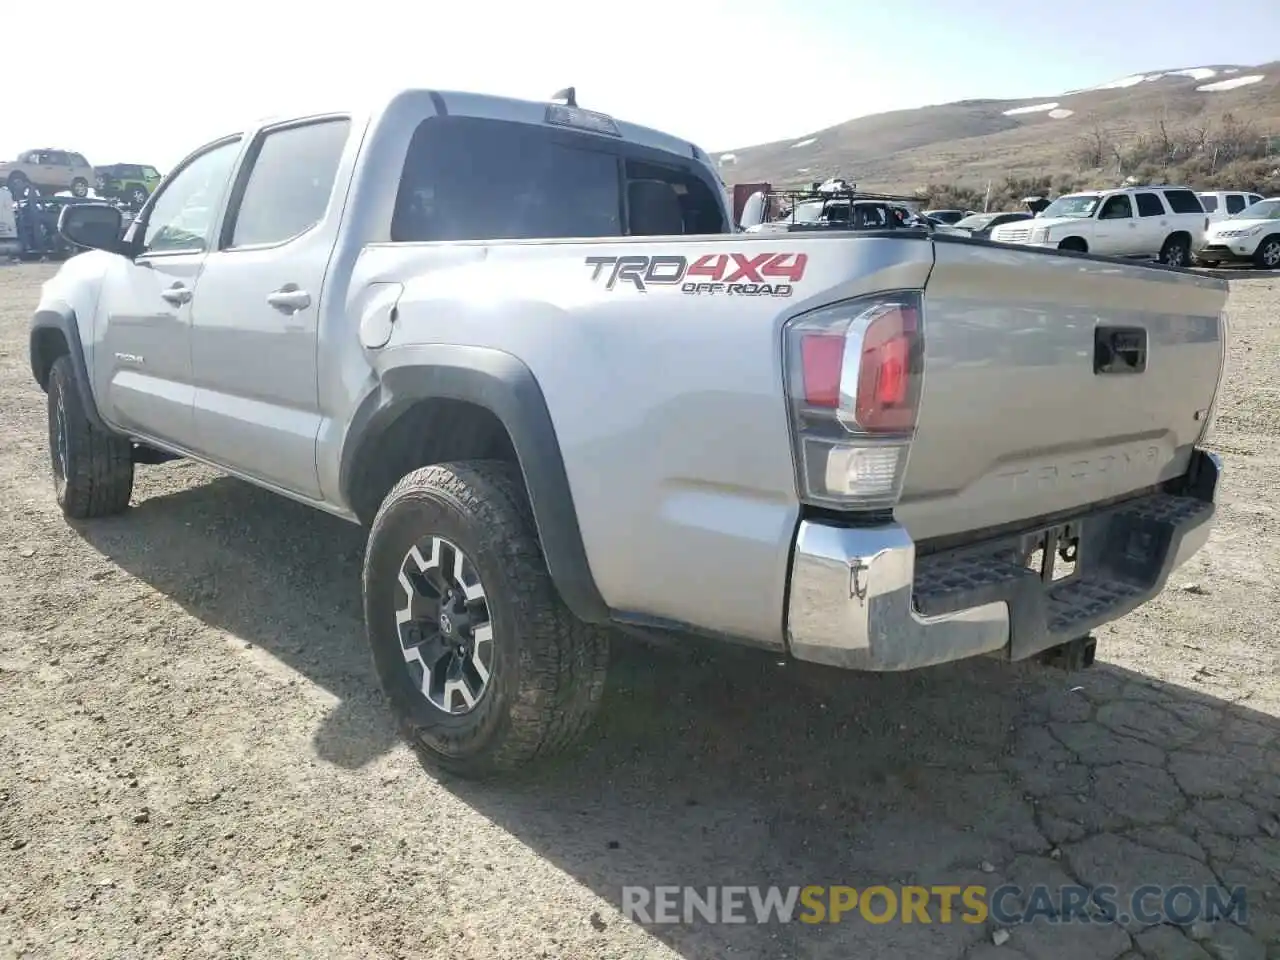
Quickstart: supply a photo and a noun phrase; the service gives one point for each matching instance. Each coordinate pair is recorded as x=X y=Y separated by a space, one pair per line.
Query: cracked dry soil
x=194 y=758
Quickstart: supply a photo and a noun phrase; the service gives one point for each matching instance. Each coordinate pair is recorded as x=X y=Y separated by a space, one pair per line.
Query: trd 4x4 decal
x=732 y=274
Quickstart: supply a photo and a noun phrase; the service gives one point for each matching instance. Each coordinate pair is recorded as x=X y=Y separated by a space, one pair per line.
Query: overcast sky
x=723 y=73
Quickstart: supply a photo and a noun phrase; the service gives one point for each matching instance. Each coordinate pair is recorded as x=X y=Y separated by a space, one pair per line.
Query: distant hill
x=1109 y=128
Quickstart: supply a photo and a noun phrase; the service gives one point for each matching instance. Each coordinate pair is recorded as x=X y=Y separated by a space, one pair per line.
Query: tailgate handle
x=1119 y=350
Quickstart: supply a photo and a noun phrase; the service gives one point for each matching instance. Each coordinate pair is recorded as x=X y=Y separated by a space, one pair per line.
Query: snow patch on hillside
x=1195 y=73
x=1061 y=113
x=1036 y=108
x=804 y=143
x=1232 y=83
x=1120 y=84
x=728 y=158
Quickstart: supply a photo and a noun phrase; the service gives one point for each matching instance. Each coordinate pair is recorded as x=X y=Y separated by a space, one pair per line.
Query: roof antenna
x=569 y=95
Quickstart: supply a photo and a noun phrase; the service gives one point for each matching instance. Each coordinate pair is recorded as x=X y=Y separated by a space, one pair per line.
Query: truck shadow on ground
x=729 y=768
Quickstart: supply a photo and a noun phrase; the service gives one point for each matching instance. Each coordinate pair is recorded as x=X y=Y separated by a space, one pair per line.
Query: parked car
x=941 y=462
x=1220 y=204
x=980 y=225
x=1253 y=234
x=49 y=171
x=131 y=182
x=947 y=216
x=1162 y=222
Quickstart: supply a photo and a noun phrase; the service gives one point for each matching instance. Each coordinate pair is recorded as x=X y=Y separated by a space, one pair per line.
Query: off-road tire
x=97 y=477
x=548 y=672
x=80 y=187
x=1268 y=249
x=1176 y=252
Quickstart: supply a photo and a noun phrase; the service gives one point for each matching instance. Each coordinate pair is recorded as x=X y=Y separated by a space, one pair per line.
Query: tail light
x=853 y=383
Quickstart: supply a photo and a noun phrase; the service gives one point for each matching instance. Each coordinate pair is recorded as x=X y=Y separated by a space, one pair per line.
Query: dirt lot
x=194 y=758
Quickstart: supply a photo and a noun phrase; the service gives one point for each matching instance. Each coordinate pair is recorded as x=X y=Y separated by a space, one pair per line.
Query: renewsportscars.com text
x=1007 y=904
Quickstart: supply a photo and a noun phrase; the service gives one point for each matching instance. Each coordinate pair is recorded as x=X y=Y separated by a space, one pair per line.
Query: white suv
x=1220 y=204
x=1253 y=234
x=1163 y=222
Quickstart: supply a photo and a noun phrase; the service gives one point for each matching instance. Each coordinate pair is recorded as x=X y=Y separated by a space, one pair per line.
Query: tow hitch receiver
x=1073 y=655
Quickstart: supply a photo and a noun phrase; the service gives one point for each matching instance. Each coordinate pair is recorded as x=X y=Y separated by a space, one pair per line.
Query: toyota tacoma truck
x=524 y=345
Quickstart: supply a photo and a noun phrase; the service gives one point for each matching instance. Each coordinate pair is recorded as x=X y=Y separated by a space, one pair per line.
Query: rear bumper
x=862 y=599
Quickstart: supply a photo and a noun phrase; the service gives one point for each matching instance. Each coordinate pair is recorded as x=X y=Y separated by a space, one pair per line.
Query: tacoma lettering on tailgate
x=731 y=274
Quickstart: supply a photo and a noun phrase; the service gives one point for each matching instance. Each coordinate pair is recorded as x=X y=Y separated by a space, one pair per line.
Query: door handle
x=176 y=295
x=289 y=299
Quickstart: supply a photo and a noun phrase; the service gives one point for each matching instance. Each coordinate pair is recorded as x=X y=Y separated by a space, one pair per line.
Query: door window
x=290 y=181
x=1235 y=203
x=1209 y=202
x=1116 y=208
x=1149 y=205
x=183 y=213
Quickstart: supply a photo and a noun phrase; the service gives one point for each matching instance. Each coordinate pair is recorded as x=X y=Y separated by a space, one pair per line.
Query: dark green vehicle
x=131 y=182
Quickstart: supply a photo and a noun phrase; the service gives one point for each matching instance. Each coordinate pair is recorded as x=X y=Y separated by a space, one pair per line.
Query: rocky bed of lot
x=195 y=759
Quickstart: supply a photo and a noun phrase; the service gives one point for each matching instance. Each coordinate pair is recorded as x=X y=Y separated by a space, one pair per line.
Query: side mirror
x=97 y=226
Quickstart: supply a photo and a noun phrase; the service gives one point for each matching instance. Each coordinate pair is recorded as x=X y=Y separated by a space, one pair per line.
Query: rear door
x=1153 y=222
x=254 y=316
x=1019 y=419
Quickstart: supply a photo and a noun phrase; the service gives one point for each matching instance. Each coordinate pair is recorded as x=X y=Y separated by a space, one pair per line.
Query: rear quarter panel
x=668 y=407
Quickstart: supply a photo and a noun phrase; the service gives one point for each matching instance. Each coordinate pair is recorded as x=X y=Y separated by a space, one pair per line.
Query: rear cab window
x=1183 y=201
x=1210 y=202
x=467 y=178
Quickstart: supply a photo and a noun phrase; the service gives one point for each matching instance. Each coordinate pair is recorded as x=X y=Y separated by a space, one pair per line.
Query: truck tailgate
x=1054 y=382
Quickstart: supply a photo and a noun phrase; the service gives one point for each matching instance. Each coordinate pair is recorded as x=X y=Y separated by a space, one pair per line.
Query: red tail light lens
x=887 y=395
x=821 y=362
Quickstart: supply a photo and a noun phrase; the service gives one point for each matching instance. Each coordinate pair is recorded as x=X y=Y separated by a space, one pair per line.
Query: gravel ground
x=195 y=760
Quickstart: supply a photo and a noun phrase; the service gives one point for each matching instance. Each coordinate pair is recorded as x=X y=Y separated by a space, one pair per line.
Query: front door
x=255 y=315
x=142 y=351
x=1116 y=231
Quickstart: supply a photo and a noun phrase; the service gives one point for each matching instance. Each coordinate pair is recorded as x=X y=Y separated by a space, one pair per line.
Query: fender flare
x=507 y=388
x=62 y=318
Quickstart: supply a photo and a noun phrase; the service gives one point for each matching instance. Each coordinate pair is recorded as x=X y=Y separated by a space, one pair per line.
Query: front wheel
x=1176 y=252
x=1073 y=243
x=92 y=469
x=1267 y=256
x=484 y=666
x=80 y=187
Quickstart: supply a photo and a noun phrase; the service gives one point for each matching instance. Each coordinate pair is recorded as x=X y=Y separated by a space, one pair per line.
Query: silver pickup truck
x=525 y=346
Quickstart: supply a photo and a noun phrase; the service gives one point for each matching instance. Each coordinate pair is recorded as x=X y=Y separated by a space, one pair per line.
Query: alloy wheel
x=443 y=621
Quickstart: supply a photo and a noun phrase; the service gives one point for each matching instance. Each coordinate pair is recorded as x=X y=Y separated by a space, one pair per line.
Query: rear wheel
x=92 y=469
x=1176 y=252
x=484 y=666
x=1267 y=256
